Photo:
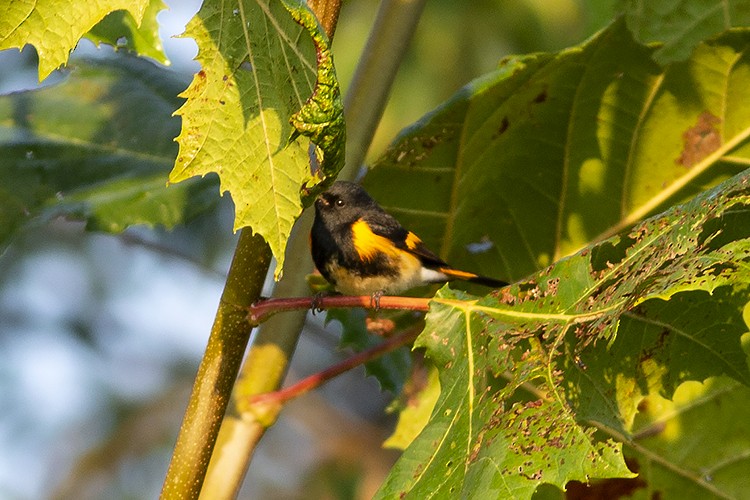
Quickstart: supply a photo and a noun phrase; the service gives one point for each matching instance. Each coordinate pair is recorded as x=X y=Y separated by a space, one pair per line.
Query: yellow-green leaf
x=258 y=69
x=415 y=415
x=54 y=27
x=122 y=31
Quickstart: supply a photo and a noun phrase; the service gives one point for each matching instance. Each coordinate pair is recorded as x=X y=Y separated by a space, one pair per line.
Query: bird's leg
x=316 y=304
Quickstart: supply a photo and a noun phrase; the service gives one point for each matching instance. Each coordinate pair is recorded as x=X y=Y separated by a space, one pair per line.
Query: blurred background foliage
x=100 y=335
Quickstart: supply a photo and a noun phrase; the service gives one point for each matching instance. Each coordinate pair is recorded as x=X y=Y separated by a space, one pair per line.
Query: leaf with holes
x=258 y=69
x=660 y=344
x=520 y=407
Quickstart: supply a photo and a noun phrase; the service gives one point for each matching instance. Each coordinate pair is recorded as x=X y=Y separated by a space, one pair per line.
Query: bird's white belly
x=412 y=274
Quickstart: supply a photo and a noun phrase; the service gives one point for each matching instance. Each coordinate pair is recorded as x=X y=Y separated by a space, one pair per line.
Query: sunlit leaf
x=416 y=412
x=520 y=407
x=322 y=117
x=122 y=31
x=54 y=27
x=258 y=69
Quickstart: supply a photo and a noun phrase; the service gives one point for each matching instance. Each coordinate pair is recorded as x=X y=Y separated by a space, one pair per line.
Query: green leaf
x=54 y=27
x=96 y=147
x=258 y=69
x=661 y=344
x=680 y=26
x=392 y=368
x=416 y=412
x=322 y=117
x=474 y=442
x=695 y=446
x=552 y=152
x=122 y=31
x=512 y=416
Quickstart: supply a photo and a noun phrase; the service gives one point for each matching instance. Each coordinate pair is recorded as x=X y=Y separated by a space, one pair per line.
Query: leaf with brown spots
x=552 y=152
x=545 y=388
x=700 y=140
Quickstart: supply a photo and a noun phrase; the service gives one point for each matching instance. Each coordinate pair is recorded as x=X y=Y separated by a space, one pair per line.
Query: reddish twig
x=261 y=311
x=318 y=379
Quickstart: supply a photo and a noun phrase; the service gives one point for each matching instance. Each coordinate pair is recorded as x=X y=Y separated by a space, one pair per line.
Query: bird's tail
x=472 y=278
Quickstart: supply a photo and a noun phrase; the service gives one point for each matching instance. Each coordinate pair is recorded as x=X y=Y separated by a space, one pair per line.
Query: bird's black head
x=343 y=203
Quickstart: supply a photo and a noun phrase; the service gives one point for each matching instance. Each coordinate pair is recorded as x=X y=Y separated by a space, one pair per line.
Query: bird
x=361 y=249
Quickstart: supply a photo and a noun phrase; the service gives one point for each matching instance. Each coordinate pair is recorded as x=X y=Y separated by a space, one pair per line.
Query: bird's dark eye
x=340 y=203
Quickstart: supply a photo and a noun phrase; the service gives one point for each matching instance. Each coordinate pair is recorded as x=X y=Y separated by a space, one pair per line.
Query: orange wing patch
x=368 y=244
x=455 y=273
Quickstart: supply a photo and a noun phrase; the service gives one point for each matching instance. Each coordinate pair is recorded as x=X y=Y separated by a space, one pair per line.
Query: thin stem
x=372 y=81
x=261 y=311
x=313 y=381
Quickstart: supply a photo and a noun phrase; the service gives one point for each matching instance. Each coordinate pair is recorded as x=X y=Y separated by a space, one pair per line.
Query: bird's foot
x=375 y=300
x=316 y=304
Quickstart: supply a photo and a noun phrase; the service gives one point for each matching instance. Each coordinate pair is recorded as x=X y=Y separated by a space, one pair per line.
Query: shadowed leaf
x=96 y=147
x=552 y=152
x=680 y=26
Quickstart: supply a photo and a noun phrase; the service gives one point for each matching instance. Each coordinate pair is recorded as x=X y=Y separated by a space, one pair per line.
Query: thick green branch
x=218 y=369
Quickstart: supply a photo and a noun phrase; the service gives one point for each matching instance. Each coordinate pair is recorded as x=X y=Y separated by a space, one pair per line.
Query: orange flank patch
x=368 y=244
x=412 y=241
x=455 y=273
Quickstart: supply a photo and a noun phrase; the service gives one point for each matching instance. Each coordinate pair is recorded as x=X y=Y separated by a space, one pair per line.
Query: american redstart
x=362 y=250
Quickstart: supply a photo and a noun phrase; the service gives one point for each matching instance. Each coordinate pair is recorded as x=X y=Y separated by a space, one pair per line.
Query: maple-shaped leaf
x=259 y=69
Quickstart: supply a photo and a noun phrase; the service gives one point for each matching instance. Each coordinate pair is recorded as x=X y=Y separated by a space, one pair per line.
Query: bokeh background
x=101 y=335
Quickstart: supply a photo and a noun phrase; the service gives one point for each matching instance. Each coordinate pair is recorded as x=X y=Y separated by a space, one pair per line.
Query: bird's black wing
x=383 y=224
